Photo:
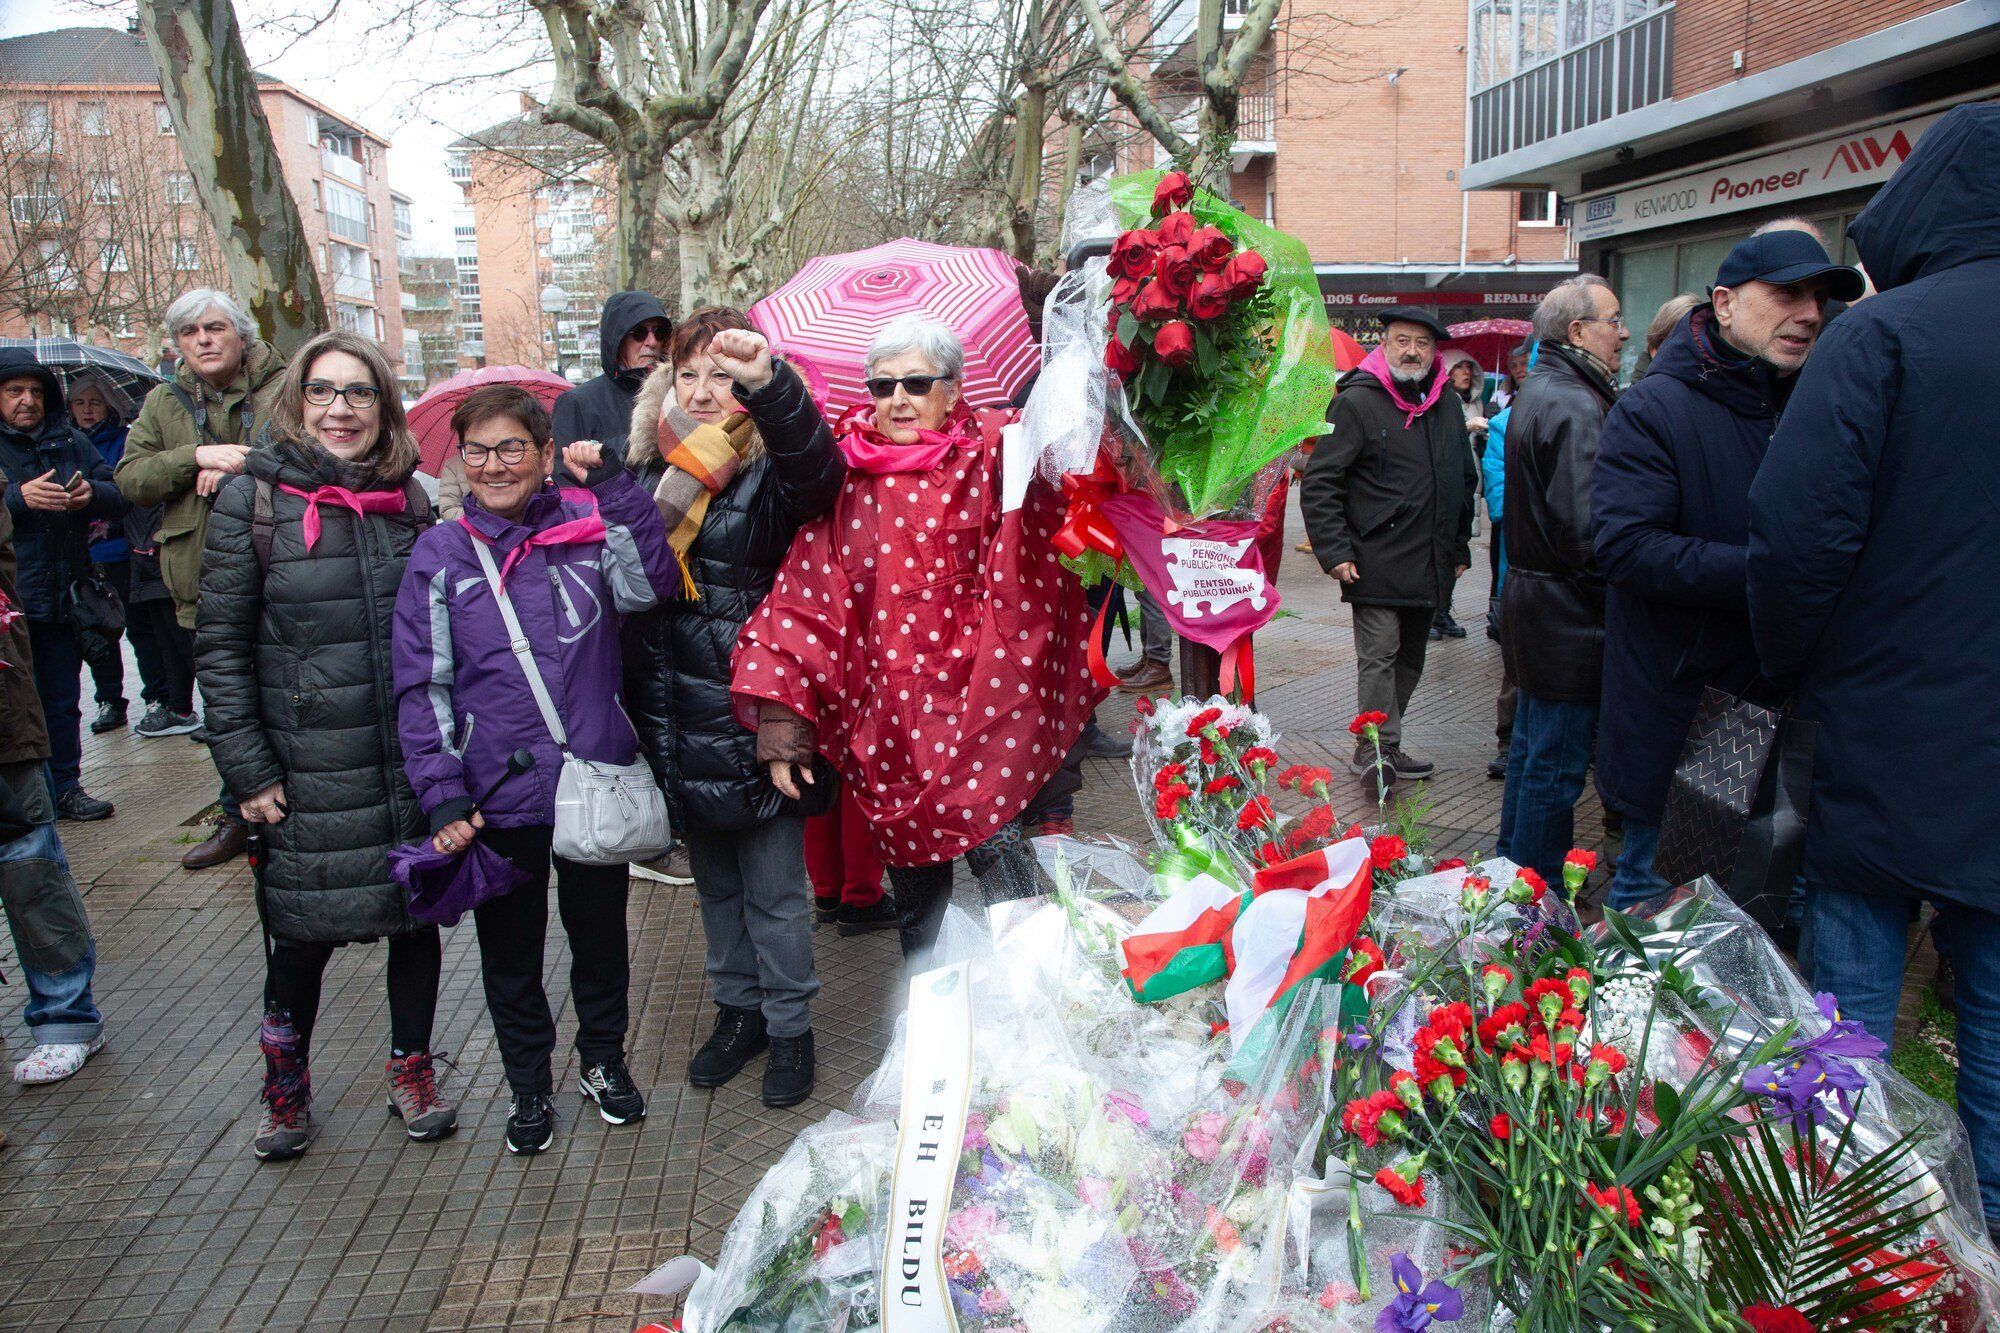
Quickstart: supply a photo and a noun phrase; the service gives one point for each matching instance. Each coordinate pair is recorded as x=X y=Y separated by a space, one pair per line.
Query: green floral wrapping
x=1256 y=419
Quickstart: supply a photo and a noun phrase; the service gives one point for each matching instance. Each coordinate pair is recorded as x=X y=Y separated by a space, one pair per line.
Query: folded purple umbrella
x=444 y=886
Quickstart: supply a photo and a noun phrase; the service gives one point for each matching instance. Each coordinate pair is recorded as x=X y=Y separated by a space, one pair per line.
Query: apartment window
x=104 y=188
x=180 y=187
x=346 y=213
x=186 y=257
x=55 y=265
x=34 y=120
x=38 y=203
x=94 y=119
x=114 y=259
x=1537 y=208
x=123 y=328
x=163 y=119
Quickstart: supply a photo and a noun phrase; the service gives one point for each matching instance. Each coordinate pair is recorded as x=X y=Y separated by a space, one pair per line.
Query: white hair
x=1805 y=225
x=935 y=342
x=189 y=307
x=1567 y=302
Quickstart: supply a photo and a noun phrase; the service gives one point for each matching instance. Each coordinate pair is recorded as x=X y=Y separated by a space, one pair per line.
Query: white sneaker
x=52 y=1062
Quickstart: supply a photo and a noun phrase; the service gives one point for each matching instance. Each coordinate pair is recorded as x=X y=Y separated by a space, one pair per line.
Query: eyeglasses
x=917 y=386
x=360 y=397
x=510 y=451
x=652 y=329
x=1618 y=319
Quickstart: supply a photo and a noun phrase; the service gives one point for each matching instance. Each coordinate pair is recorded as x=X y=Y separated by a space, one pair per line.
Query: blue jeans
x=60 y=1008
x=59 y=680
x=1546 y=765
x=1855 y=944
x=1634 y=882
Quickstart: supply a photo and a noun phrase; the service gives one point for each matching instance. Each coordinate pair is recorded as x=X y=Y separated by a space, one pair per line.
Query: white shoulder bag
x=606 y=814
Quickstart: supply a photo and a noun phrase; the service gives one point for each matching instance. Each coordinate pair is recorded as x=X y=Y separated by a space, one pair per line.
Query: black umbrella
x=131 y=376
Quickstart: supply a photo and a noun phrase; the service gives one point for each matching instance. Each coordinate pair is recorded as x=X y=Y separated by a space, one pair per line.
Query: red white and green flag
x=1184 y=943
x=1303 y=915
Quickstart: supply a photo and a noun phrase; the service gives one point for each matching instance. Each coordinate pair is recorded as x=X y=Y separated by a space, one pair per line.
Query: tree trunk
x=642 y=179
x=211 y=95
x=699 y=220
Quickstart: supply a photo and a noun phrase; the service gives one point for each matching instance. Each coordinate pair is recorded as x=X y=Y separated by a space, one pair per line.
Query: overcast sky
x=371 y=71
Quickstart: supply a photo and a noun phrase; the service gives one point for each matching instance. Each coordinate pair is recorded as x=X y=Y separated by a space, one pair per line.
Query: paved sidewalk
x=128 y=1196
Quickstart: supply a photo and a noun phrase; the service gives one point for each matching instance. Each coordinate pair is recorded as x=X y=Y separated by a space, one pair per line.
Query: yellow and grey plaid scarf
x=701 y=461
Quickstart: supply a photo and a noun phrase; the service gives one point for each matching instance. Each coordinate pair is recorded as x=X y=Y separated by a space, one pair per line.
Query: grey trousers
x=1156 y=636
x=756 y=911
x=1389 y=644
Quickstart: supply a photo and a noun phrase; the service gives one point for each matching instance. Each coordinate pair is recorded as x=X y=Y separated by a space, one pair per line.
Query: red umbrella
x=1347 y=353
x=825 y=317
x=1488 y=341
x=430 y=415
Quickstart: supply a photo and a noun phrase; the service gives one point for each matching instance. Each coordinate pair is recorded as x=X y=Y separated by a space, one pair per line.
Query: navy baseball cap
x=1783 y=257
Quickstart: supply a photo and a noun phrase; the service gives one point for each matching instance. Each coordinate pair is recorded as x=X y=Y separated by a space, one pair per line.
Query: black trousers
x=919 y=894
x=295 y=968
x=172 y=648
x=513 y=930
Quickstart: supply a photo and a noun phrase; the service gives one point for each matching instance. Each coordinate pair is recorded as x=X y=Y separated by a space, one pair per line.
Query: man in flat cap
x=1388 y=499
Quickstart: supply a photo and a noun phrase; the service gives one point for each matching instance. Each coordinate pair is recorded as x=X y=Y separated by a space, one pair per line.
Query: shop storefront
x=1354 y=311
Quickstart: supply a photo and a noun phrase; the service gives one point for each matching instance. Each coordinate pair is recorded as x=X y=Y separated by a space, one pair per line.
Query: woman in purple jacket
x=572 y=561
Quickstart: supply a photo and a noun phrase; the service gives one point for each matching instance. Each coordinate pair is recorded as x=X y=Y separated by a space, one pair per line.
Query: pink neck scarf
x=1377 y=364
x=867 y=449
x=577 y=531
x=361 y=502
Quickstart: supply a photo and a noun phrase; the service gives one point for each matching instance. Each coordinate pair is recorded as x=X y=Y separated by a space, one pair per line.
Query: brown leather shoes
x=1150 y=678
x=224 y=844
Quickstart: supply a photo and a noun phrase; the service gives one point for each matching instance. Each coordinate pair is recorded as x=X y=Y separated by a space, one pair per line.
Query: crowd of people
x=845 y=657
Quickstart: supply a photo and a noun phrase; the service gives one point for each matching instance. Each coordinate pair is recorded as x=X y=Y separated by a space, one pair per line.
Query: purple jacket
x=462 y=703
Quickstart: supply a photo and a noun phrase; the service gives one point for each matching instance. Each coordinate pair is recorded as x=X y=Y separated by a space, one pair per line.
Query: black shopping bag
x=1737 y=805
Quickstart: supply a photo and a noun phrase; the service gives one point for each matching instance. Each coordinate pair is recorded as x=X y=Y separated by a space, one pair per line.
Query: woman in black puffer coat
x=733 y=489
x=304 y=554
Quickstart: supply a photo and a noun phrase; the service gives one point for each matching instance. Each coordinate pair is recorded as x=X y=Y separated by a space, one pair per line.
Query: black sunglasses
x=915 y=385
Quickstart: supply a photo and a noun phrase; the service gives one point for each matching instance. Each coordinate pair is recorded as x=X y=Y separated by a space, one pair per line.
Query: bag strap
x=199 y=411
x=524 y=652
x=263 y=524
x=417 y=502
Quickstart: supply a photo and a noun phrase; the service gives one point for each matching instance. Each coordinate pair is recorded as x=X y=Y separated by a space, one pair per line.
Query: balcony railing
x=1589 y=80
x=340 y=166
x=1174 y=20
x=354 y=286
x=1256 y=122
x=347 y=229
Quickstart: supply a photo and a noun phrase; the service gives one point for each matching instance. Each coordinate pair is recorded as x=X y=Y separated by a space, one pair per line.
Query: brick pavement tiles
x=128 y=1196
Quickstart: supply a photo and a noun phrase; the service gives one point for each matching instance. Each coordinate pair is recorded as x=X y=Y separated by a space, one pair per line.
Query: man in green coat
x=191 y=433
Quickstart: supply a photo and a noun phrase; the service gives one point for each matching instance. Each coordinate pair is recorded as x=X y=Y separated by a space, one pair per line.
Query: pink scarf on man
x=1377 y=364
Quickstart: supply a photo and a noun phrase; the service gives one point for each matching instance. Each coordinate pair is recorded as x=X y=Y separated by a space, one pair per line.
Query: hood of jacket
x=623 y=312
x=1696 y=355
x=1942 y=207
x=16 y=365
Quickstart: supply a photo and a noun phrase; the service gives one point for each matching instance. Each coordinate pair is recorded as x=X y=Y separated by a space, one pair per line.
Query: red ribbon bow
x=361 y=502
x=1085 y=526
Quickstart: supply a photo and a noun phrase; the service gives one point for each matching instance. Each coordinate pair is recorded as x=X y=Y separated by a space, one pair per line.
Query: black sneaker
x=861 y=920
x=788 y=1079
x=110 y=717
x=81 y=806
x=739 y=1037
x=1408 y=766
x=531 y=1123
x=1449 y=627
x=610 y=1086
x=164 y=722
x=826 y=909
x=1101 y=743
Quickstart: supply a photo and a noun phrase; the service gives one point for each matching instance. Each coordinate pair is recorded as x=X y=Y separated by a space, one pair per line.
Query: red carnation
x=1155 y=304
x=1132 y=253
x=1409 y=1193
x=1174 y=343
x=1256 y=813
x=1173 y=270
x=1617 y=1200
x=1227 y=782
x=1364 y=960
x=1316 y=823
x=1260 y=754
x=1209 y=299
x=1244 y=273
x=1145 y=706
x=1363 y=1117
x=1455 y=863
x=1175 y=190
x=1210 y=248
x=1537 y=886
x=1120 y=360
x=1203 y=720
x=1363 y=721
x=1177 y=229
x=1578 y=856
x=1500 y=1126
x=1387 y=852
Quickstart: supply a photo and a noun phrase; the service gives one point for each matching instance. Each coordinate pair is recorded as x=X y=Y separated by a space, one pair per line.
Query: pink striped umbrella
x=430 y=415
x=827 y=314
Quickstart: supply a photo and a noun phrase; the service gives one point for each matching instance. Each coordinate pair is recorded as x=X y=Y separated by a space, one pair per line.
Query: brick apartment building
x=103 y=229
x=430 y=320
x=1351 y=138
x=1674 y=130
x=538 y=213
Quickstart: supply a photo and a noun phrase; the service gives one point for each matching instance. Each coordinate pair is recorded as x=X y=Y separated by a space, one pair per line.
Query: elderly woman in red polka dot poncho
x=923 y=636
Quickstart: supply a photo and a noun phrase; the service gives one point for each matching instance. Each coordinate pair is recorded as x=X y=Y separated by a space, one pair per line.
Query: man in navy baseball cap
x=1771 y=292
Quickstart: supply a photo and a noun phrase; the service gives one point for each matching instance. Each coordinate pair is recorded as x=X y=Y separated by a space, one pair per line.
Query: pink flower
x=992 y=1301
x=970 y=1228
x=975 y=1132
x=1127 y=1106
x=1338 y=1294
x=1095 y=1193
x=1203 y=1136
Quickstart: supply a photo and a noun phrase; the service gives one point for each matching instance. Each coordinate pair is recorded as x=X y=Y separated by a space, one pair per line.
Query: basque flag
x=1303 y=915
x=1184 y=942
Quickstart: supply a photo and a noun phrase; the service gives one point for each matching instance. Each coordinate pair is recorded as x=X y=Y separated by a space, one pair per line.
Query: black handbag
x=97 y=611
x=1738 y=803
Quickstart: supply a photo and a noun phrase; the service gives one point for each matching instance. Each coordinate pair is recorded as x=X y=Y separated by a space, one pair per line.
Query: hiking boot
x=224 y=843
x=160 y=721
x=826 y=910
x=739 y=1037
x=788 y=1078
x=54 y=1061
x=1102 y=744
x=610 y=1085
x=531 y=1123
x=81 y=806
x=1450 y=628
x=110 y=717
x=1147 y=677
x=861 y=920
x=414 y=1097
x=1408 y=767
x=287 y=1126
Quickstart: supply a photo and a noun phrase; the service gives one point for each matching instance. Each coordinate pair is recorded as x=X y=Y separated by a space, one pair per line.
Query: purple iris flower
x=1818 y=1068
x=1418 y=1304
x=1358 y=1040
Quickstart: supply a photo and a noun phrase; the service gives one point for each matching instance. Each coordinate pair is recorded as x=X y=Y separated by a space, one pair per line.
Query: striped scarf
x=701 y=461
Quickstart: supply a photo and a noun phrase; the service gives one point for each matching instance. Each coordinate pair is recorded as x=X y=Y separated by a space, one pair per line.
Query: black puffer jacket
x=53 y=547
x=294 y=664
x=600 y=409
x=1552 y=607
x=677 y=655
x=1392 y=496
